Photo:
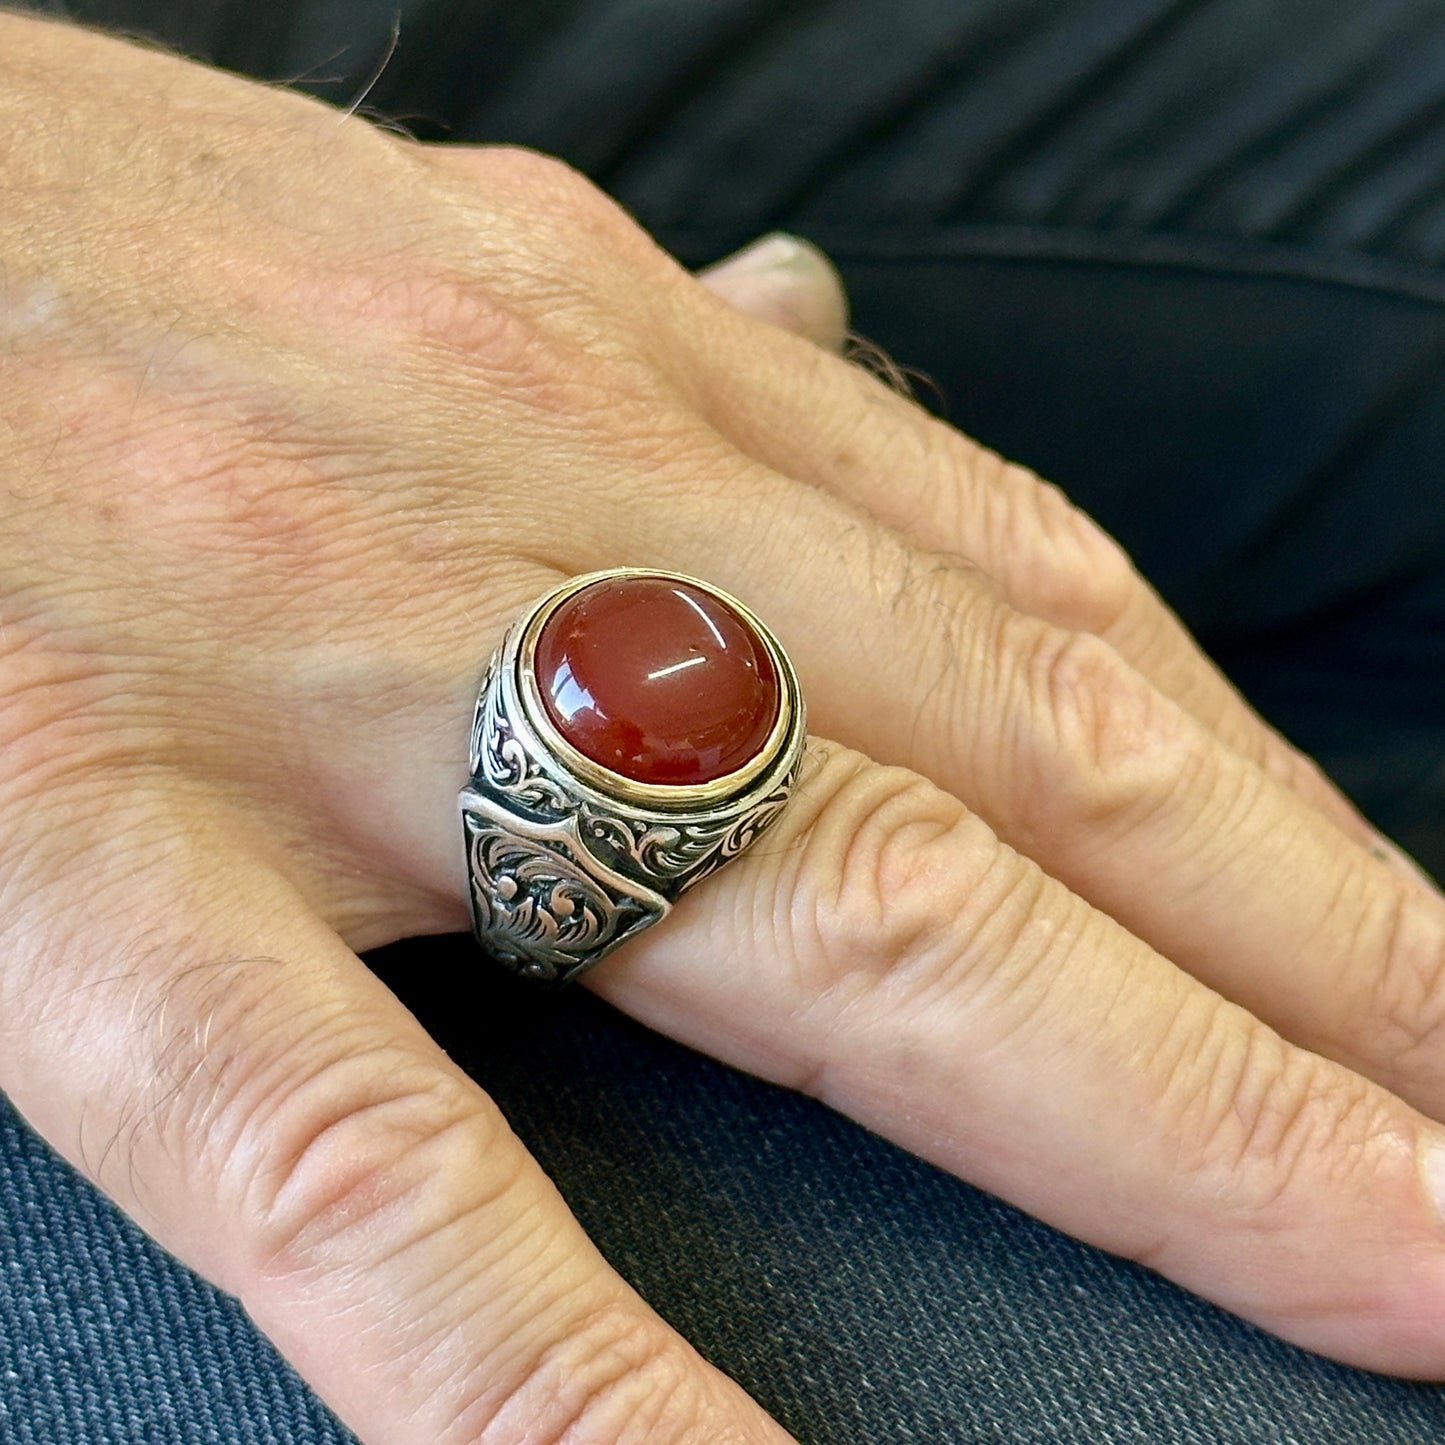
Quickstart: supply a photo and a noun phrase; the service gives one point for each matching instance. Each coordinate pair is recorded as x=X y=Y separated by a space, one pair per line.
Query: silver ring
x=583 y=826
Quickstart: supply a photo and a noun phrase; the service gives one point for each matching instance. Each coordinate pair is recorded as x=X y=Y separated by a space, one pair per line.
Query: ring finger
x=1076 y=759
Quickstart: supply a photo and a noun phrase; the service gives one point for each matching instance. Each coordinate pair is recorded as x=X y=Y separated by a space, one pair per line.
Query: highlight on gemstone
x=657 y=679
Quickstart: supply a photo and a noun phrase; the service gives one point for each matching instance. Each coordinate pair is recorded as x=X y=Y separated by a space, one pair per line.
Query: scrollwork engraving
x=681 y=854
x=545 y=907
x=505 y=765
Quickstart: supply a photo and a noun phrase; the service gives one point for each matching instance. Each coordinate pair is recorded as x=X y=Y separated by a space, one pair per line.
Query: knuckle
x=616 y=1374
x=1261 y=1121
x=898 y=880
x=575 y=233
x=1286 y=765
x=1070 y=571
x=872 y=859
x=372 y=1151
x=547 y=180
x=1099 y=747
x=1400 y=1025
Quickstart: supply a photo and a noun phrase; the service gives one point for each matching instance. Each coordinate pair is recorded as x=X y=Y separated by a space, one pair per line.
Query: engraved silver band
x=567 y=859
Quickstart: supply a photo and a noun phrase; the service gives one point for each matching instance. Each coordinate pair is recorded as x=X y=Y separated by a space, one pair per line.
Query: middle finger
x=839 y=428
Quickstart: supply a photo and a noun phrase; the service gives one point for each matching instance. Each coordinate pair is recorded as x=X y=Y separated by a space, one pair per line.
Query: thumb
x=788 y=282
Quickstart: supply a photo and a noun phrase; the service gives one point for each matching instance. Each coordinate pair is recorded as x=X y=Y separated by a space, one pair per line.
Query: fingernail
x=1402 y=862
x=775 y=252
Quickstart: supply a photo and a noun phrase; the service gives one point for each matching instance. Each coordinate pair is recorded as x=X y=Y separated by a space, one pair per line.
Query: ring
x=634 y=731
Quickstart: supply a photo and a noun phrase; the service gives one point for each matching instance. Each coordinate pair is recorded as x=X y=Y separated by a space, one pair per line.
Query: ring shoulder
x=547 y=907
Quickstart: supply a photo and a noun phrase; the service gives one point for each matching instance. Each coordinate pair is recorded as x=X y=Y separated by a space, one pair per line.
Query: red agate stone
x=657 y=680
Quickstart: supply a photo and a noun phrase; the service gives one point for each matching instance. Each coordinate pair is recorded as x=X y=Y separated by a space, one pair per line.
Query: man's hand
x=296 y=416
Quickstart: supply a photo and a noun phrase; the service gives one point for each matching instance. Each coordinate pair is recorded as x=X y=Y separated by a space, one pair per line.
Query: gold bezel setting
x=672 y=796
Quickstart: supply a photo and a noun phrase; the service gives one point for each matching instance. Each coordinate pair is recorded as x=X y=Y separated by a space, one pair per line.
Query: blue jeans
x=1184 y=258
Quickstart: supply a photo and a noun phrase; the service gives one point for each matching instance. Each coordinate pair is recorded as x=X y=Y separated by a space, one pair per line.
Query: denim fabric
x=1181 y=255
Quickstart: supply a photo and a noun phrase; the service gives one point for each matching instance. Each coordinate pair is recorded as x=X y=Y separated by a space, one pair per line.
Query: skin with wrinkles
x=297 y=415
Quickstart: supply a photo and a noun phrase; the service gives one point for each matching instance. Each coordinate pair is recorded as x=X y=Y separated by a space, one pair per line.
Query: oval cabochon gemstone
x=657 y=680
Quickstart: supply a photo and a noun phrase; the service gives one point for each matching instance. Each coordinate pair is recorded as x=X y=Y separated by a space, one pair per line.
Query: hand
x=298 y=415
